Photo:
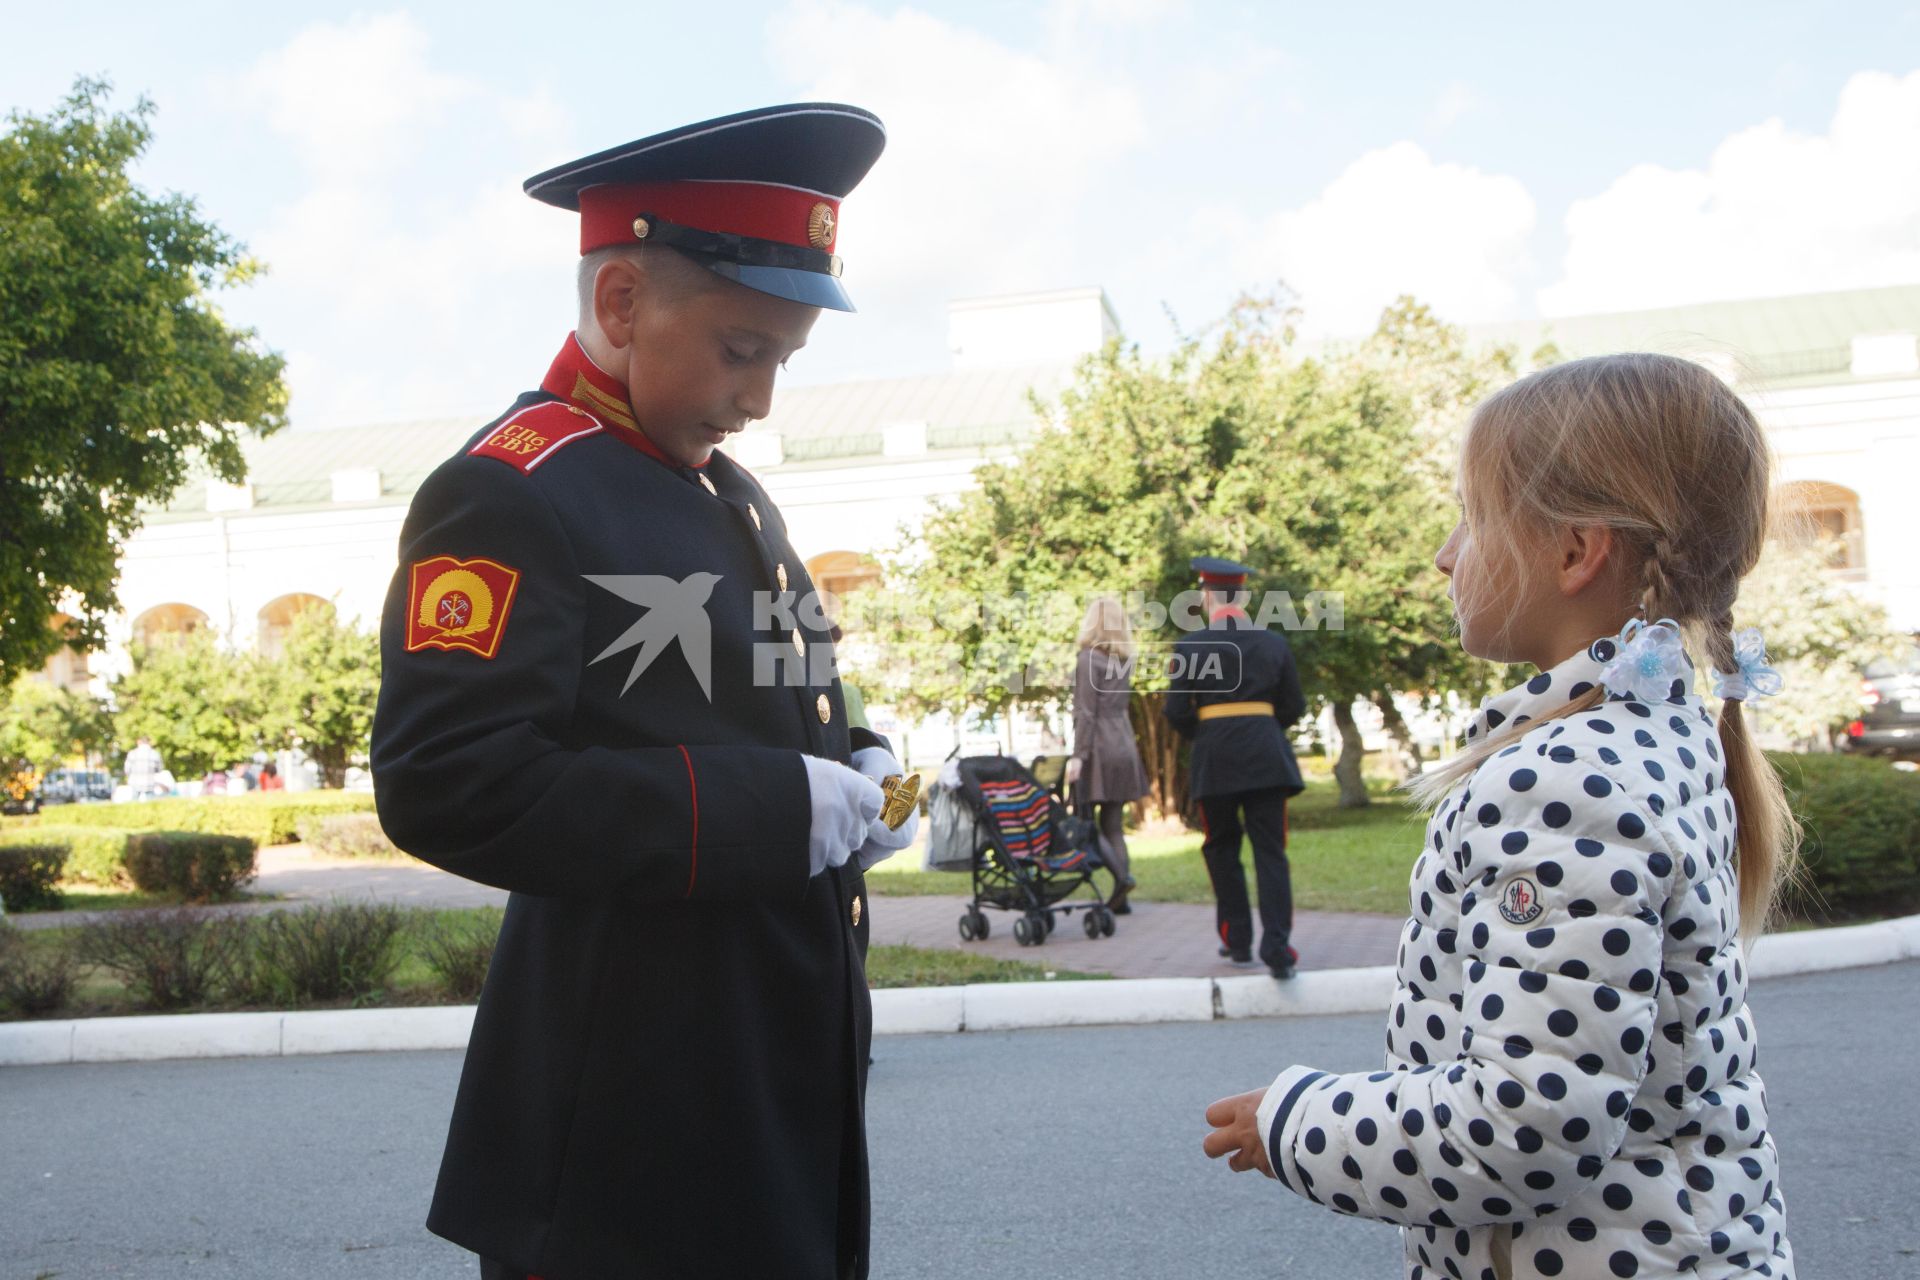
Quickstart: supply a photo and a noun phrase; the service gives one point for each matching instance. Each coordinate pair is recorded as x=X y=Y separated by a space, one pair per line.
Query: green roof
x=1803 y=338
x=966 y=410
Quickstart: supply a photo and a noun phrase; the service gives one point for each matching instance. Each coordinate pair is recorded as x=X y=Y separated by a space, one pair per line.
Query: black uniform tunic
x=1237 y=753
x=1242 y=772
x=667 y=1071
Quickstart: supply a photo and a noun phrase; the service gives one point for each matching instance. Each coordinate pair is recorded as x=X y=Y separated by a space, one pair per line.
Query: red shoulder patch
x=536 y=433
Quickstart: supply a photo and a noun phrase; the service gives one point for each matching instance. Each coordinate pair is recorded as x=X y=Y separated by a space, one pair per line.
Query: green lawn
x=1342 y=859
x=83 y=895
x=98 y=993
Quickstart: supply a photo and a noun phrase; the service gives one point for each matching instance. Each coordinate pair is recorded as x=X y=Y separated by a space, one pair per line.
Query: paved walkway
x=1158 y=940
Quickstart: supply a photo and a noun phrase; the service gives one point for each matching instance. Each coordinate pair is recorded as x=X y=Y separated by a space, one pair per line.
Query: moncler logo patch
x=1520 y=904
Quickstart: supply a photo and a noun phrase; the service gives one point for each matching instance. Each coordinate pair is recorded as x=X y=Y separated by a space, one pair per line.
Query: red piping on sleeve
x=693 y=790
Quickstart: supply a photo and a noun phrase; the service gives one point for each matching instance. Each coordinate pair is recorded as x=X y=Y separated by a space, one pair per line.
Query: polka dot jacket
x=1570 y=1087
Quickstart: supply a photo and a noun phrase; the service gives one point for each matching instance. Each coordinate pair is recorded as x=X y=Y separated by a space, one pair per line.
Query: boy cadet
x=608 y=689
x=1236 y=693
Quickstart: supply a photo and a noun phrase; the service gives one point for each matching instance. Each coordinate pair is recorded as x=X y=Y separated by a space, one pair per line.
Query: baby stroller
x=1026 y=853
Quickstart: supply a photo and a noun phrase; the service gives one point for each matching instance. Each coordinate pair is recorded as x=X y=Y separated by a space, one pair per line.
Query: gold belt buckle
x=902 y=794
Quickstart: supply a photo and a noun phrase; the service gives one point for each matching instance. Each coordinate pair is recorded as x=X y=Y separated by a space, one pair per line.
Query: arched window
x=277 y=616
x=1830 y=514
x=168 y=624
x=838 y=574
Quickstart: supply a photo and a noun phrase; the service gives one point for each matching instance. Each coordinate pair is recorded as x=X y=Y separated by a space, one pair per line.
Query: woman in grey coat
x=1105 y=770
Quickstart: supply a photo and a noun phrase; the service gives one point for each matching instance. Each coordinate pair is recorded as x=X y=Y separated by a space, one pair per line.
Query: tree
x=46 y=726
x=117 y=374
x=200 y=704
x=320 y=695
x=1818 y=634
x=1314 y=470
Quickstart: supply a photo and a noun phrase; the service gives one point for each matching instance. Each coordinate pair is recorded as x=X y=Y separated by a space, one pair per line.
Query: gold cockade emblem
x=820 y=225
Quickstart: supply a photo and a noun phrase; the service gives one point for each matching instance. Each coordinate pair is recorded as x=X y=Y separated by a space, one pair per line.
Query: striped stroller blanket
x=1021 y=811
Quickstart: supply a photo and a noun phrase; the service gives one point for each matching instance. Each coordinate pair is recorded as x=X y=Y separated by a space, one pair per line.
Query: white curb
x=1310 y=991
x=377 y=1030
x=993 y=1006
x=194 y=1035
x=1007 y=1006
x=906 y=1011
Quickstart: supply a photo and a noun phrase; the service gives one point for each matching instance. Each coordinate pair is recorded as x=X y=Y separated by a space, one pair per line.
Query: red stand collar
x=575 y=378
x=1228 y=611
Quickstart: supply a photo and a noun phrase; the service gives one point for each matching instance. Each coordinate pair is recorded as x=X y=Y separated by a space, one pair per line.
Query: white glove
x=845 y=808
x=1073 y=770
x=882 y=841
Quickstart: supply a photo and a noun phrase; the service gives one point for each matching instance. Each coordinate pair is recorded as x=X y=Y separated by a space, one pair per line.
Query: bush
x=34 y=980
x=1861 y=849
x=459 y=950
x=348 y=835
x=265 y=817
x=341 y=950
x=167 y=959
x=95 y=854
x=30 y=876
x=187 y=865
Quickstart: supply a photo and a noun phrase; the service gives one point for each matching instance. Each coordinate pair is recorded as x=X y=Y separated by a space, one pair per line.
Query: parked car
x=76 y=786
x=1889 y=723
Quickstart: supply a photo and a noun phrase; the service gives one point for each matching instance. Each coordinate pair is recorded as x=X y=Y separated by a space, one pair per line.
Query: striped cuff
x=1282 y=1094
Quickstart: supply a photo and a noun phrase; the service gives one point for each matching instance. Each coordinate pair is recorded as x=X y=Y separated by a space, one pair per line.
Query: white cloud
x=1066 y=15
x=399 y=282
x=1774 y=211
x=991 y=152
x=1457 y=99
x=353 y=97
x=1395 y=221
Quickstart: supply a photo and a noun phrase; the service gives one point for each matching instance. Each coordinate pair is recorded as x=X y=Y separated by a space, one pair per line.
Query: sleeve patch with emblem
x=459 y=604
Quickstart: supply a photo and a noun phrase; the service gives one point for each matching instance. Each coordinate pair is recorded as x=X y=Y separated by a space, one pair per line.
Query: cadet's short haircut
x=669 y=274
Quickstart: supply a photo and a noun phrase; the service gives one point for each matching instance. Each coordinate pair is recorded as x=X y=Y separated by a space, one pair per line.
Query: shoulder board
x=528 y=438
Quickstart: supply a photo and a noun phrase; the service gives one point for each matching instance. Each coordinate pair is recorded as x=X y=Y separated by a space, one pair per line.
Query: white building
x=1835 y=377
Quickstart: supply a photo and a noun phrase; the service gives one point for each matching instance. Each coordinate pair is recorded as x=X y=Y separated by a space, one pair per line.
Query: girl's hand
x=1236 y=1133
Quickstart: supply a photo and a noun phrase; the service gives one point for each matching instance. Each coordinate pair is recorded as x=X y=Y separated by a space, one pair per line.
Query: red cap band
x=786 y=215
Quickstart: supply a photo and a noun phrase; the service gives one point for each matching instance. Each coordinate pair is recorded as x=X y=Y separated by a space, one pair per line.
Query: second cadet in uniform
x=607 y=690
x=1235 y=694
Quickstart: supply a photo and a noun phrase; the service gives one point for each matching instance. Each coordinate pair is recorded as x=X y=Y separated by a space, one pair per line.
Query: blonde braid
x=1659 y=596
x=1719 y=641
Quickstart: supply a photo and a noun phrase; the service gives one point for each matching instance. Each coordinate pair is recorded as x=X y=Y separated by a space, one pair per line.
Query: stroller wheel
x=982 y=926
x=1107 y=923
x=1092 y=923
x=967 y=933
x=1023 y=931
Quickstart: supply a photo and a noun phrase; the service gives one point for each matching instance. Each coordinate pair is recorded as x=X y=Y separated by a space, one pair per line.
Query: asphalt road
x=1043 y=1154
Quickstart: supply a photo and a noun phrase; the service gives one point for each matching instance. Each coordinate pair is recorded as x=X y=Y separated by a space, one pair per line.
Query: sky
x=1499 y=161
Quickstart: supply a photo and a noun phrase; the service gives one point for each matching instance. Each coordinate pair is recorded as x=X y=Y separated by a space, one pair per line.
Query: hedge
x=190 y=865
x=1861 y=835
x=98 y=854
x=30 y=876
x=262 y=817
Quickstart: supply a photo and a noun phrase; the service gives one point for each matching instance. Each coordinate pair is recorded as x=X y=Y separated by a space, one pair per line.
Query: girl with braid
x=1570 y=1086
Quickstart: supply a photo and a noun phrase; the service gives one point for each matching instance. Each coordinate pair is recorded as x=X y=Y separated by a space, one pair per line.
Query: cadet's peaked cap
x=754 y=197
x=1215 y=572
